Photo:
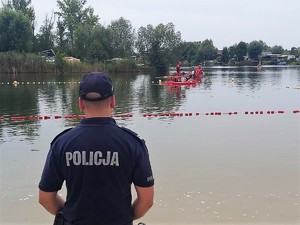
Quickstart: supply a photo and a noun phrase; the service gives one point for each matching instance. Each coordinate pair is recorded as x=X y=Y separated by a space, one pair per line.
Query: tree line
x=75 y=30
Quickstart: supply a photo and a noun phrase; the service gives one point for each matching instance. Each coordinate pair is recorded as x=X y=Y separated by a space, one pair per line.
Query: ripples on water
x=233 y=169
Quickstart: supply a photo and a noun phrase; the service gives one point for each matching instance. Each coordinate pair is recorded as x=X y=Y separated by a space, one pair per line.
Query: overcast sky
x=225 y=22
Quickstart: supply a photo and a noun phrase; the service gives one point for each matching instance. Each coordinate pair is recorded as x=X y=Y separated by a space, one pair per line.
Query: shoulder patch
x=130 y=131
x=142 y=141
x=61 y=133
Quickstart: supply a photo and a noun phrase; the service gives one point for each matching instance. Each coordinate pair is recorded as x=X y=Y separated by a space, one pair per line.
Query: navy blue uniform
x=99 y=161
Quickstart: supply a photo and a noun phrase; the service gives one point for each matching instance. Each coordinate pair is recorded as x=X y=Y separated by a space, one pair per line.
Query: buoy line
x=16 y=83
x=148 y=115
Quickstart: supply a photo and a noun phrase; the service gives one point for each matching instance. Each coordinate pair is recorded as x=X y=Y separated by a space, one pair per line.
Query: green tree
x=71 y=15
x=206 y=51
x=100 y=44
x=143 y=42
x=241 y=51
x=16 y=33
x=82 y=39
x=157 y=44
x=123 y=37
x=232 y=52
x=293 y=51
x=255 y=49
x=225 y=56
x=25 y=7
x=277 y=49
x=45 y=38
x=188 y=51
x=166 y=39
x=265 y=46
x=61 y=38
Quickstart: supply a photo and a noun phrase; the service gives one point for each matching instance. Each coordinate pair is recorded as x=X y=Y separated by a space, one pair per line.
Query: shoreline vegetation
x=18 y=63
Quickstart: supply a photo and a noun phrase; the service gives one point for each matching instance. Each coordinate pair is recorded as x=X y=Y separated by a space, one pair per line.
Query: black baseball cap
x=97 y=83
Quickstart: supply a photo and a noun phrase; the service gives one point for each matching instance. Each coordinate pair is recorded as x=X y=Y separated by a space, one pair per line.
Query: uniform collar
x=97 y=120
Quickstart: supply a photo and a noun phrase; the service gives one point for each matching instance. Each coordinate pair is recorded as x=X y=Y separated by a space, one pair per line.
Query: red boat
x=172 y=82
x=185 y=79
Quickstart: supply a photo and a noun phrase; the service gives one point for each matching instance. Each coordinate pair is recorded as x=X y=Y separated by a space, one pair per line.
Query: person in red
x=178 y=69
x=198 y=72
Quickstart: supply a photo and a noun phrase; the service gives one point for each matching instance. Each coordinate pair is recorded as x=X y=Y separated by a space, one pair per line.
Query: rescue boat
x=172 y=82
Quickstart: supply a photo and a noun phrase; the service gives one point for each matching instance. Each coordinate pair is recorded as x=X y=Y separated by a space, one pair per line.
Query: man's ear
x=113 y=102
x=80 y=104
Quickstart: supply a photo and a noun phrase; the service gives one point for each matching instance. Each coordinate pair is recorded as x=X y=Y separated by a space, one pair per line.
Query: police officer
x=98 y=160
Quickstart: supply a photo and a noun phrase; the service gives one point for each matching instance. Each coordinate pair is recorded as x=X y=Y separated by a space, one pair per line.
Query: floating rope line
x=149 y=115
x=16 y=83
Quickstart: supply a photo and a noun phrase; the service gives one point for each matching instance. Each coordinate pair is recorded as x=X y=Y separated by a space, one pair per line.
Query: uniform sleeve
x=143 y=176
x=51 y=180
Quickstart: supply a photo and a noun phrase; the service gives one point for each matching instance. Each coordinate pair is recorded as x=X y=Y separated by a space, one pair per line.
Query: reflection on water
x=214 y=169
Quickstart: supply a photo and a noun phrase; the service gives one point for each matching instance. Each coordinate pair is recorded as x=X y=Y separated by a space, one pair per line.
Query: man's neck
x=99 y=112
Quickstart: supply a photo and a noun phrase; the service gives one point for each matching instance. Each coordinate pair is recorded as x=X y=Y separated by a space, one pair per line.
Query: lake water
x=225 y=151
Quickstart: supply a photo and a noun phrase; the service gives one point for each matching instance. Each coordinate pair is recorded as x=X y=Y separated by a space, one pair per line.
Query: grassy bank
x=13 y=63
